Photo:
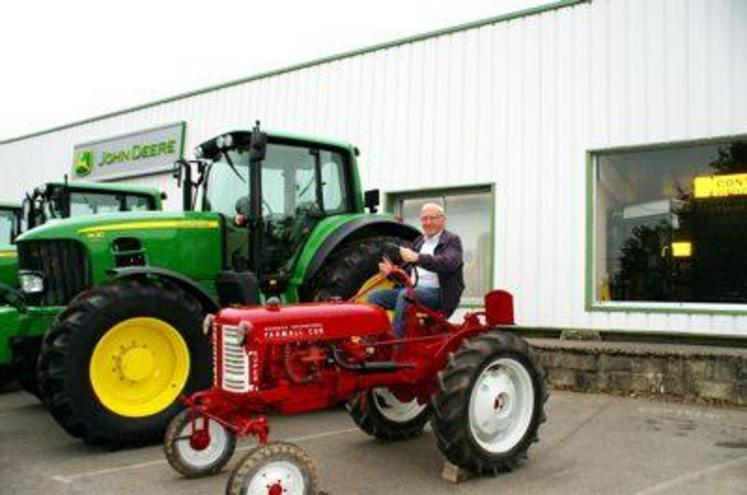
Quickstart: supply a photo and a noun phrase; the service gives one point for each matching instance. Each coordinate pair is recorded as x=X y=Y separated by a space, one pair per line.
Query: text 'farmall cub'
x=482 y=389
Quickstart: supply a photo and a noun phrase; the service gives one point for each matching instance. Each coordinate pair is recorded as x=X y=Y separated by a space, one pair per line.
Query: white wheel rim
x=394 y=409
x=501 y=405
x=209 y=455
x=283 y=473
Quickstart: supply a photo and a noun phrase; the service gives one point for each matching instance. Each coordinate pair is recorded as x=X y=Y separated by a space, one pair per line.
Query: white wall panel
x=515 y=103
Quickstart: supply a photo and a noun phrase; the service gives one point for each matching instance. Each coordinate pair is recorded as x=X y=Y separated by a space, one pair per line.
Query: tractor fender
x=353 y=229
x=186 y=283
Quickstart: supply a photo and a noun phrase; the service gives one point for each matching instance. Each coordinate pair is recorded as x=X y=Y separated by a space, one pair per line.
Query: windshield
x=53 y=203
x=8 y=226
x=92 y=203
x=293 y=178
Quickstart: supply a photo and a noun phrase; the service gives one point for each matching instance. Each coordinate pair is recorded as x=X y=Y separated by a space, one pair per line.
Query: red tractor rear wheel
x=490 y=403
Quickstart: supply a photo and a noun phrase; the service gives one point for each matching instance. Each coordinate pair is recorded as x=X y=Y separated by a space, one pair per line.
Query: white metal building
x=564 y=140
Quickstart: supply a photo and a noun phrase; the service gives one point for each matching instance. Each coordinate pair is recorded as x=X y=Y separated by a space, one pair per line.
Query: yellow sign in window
x=719 y=186
x=682 y=249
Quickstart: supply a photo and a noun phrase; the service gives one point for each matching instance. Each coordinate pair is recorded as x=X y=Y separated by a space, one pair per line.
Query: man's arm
x=450 y=259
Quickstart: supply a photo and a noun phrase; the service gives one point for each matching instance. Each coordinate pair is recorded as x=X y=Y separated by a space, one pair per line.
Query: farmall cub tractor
x=482 y=388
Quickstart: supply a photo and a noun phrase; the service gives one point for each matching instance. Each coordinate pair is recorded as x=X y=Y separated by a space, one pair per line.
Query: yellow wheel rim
x=139 y=367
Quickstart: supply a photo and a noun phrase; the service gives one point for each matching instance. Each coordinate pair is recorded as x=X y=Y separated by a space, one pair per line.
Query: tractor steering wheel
x=401 y=276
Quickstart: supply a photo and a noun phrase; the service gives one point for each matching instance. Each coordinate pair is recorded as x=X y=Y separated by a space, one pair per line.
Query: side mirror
x=176 y=171
x=371 y=200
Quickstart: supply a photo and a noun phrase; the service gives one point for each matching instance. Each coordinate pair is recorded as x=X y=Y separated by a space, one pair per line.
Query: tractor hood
x=277 y=323
x=135 y=223
x=187 y=243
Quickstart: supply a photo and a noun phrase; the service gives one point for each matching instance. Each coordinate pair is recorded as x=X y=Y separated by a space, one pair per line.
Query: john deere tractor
x=10 y=225
x=20 y=336
x=125 y=295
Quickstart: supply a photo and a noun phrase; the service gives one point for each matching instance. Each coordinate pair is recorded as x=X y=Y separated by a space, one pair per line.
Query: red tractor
x=482 y=388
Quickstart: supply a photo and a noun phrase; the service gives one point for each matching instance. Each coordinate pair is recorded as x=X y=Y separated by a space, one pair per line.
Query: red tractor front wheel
x=275 y=468
x=197 y=447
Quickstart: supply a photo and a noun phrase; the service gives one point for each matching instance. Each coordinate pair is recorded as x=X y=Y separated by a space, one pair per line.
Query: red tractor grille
x=234 y=362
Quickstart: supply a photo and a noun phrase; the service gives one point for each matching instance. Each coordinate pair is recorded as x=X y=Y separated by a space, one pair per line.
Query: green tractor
x=20 y=336
x=10 y=227
x=125 y=296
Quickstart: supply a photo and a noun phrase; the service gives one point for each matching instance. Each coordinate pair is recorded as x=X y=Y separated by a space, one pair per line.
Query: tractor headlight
x=30 y=282
x=242 y=331
x=224 y=142
x=207 y=324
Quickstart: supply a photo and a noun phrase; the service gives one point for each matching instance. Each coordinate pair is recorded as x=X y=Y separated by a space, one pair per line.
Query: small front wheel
x=198 y=447
x=275 y=468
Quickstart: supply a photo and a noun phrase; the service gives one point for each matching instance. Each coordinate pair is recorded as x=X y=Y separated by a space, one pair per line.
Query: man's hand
x=386 y=266
x=408 y=255
x=239 y=220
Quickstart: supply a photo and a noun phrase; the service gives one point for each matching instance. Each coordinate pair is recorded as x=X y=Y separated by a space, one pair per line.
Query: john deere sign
x=139 y=153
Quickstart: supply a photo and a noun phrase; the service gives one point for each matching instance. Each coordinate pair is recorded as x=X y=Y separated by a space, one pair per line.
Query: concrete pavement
x=590 y=444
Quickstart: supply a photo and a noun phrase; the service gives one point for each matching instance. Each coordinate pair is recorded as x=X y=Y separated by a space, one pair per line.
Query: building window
x=670 y=223
x=469 y=213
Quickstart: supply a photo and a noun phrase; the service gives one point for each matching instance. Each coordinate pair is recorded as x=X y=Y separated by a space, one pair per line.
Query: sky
x=70 y=60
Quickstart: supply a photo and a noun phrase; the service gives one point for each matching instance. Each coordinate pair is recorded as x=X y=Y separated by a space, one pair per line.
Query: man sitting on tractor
x=437 y=260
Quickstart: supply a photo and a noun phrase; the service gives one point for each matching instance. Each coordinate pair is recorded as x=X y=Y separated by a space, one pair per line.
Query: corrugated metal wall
x=515 y=103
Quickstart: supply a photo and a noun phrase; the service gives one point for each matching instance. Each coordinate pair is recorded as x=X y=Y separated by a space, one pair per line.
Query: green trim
x=184 y=139
x=651 y=308
x=633 y=148
x=590 y=304
x=349 y=54
x=391 y=197
x=589 y=290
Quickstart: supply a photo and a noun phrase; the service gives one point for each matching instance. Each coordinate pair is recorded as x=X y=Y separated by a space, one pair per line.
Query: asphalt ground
x=590 y=444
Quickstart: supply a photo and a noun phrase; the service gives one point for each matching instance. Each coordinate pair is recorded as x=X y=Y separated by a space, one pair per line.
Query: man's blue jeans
x=395 y=299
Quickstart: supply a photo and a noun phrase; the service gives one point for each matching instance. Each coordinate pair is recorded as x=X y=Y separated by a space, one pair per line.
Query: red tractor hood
x=313 y=321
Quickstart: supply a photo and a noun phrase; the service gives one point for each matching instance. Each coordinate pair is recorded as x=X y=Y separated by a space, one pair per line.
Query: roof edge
x=319 y=61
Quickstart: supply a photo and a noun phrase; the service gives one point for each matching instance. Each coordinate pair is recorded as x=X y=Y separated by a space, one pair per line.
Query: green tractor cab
x=10 y=228
x=266 y=214
x=20 y=334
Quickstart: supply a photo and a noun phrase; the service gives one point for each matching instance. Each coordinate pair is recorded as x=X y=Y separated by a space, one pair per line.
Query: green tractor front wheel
x=115 y=362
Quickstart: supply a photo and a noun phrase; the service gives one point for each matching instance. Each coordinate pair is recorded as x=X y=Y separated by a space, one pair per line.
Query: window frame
x=591 y=303
x=392 y=197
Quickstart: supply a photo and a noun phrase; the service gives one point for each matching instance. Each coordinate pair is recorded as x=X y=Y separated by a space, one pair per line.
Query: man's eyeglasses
x=430 y=218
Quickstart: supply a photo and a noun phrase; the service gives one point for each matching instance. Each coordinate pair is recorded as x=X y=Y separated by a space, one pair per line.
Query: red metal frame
x=308 y=357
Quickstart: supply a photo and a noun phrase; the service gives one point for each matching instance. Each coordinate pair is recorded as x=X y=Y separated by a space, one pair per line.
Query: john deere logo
x=84 y=163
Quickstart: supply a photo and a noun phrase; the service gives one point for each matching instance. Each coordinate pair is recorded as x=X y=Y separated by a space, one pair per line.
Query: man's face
x=432 y=220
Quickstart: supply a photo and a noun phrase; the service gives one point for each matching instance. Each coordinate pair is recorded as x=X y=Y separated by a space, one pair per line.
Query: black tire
x=67 y=348
x=253 y=463
x=6 y=379
x=176 y=444
x=25 y=360
x=451 y=422
x=349 y=267
x=376 y=414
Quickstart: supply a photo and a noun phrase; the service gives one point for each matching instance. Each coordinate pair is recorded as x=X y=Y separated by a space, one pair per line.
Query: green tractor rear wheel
x=350 y=268
x=116 y=360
